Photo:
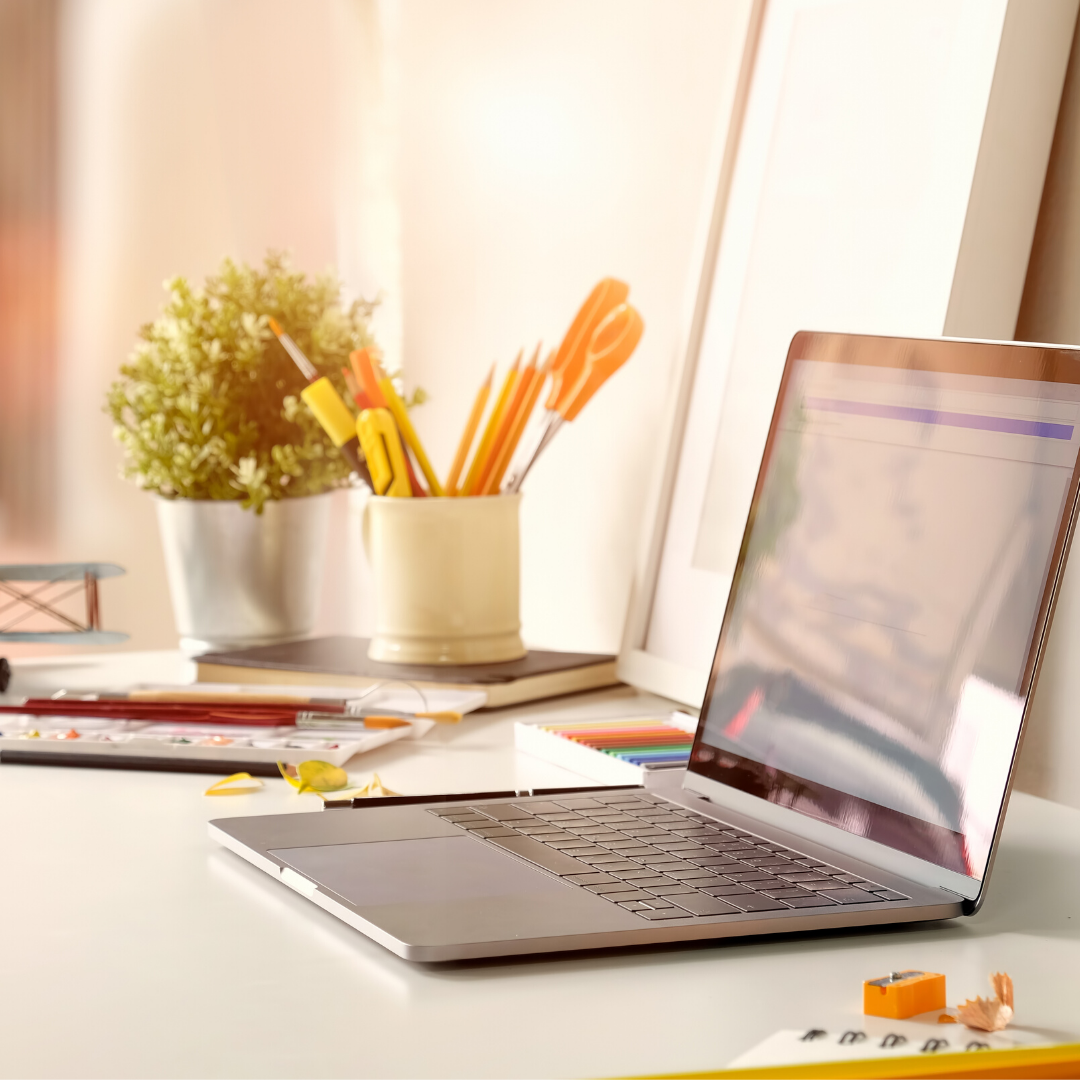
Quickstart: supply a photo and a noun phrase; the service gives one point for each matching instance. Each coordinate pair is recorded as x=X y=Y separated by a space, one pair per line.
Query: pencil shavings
x=314 y=776
x=990 y=1014
x=373 y=789
x=240 y=783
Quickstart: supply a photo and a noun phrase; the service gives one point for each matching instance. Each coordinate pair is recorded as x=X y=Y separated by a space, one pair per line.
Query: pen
x=326 y=405
x=472 y=796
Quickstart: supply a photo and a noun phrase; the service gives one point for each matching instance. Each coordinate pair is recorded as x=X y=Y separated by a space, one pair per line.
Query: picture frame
x=881 y=172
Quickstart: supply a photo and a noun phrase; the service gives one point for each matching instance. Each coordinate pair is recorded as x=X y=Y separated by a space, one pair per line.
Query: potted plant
x=208 y=412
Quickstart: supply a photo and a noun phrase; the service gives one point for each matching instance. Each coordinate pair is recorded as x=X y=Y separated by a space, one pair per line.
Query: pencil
x=513 y=406
x=408 y=432
x=521 y=389
x=521 y=420
x=480 y=458
x=469 y=433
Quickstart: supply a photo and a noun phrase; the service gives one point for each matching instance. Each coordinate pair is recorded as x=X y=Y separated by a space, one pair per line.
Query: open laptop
x=853 y=759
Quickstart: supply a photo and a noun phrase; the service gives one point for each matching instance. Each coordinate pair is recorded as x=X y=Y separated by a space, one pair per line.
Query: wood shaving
x=990 y=1014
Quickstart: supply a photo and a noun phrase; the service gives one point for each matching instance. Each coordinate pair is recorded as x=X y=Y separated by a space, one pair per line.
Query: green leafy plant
x=208 y=405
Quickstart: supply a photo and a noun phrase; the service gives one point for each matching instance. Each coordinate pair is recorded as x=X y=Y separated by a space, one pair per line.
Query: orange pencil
x=521 y=420
x=469 y=433
x=521 y=388
x=480 y=457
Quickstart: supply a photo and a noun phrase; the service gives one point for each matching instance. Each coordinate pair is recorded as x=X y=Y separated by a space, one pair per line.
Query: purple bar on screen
x=1041 y=429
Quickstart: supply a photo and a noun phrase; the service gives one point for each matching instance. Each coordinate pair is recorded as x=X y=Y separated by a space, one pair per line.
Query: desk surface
x=133 y=945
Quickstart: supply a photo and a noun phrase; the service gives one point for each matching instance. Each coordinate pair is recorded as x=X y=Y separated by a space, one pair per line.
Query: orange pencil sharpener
x=904 y=993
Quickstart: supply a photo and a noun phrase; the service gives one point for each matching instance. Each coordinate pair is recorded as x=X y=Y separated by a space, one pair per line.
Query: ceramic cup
x=447 y=579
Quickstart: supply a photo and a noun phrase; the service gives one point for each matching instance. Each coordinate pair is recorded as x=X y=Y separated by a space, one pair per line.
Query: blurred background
x=476 y=165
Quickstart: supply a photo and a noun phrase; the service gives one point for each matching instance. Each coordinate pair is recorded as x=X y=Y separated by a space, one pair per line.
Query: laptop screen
x=893 y=585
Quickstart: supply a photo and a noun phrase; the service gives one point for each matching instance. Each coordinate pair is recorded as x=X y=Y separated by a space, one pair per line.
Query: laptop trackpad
x=432 y=870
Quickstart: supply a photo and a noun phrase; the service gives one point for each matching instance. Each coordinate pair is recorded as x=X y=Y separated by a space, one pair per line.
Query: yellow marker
x=382 y=448
x=480 y=458
x=331 y=412
x=408 y=433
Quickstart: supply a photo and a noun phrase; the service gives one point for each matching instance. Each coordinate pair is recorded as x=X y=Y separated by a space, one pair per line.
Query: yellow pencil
x=480 y=458
x=469 y=434
x=513 y=407
x=532 y=394
x=408 y=432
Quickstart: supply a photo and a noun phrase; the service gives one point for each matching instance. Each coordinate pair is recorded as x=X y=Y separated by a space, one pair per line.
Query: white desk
x=133 y=945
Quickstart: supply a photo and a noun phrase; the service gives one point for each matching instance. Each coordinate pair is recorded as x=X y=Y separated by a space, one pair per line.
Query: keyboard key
x=552 y=838
x=494 y=831
x=694 y=874
x=502 y=811
x=808 y=901
x=642 y=878
x=890 y=894
x=608 y=887
x=698 y=904
x=818 y=884
x=726 y=890
x=540 y=807
x=590 y=879
x=626 y=894
x=858 y=883
x=632 y=850
x=756 y=903
x=714 y=862
x=580 y=804
x=621 y=864
x=633 y=905
x=667 y=890
x=785 y=894
x=540 y=854
x=664 y=913
x=668 y=867
x=850 y=896
x=637 y=872
x=696 y=853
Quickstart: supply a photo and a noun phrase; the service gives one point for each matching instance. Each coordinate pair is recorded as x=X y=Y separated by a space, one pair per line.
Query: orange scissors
x=610 y=344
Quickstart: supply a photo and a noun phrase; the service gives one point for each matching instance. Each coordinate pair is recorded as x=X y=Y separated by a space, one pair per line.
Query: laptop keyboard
x=660 y=860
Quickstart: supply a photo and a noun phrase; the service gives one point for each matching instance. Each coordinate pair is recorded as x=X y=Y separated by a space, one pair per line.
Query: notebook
x=343 y=661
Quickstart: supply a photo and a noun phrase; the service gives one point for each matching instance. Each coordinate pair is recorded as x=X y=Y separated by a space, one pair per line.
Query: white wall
x=546 y=144
x=193 y=130
x=480 y=163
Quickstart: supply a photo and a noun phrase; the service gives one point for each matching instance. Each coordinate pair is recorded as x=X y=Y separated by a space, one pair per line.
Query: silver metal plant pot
x=238 y=578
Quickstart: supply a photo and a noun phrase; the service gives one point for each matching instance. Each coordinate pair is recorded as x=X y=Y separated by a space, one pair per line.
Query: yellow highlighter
x=386 y=459
x=325 y=404
x=408 y=432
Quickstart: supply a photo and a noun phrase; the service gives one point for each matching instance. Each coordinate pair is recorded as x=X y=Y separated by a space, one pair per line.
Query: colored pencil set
x=382 y=443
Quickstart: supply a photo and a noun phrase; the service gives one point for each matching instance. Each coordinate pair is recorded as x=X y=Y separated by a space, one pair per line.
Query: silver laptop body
x=852 y=764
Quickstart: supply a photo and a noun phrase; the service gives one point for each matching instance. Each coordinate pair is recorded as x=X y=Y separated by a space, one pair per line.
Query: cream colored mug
x=447 y=579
